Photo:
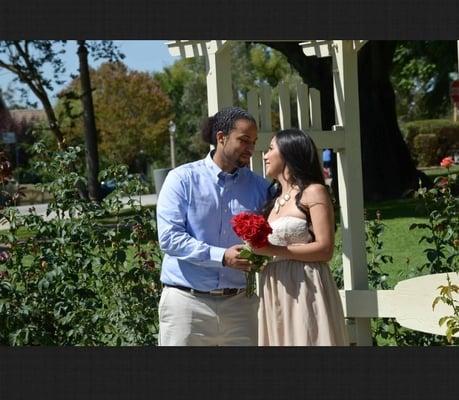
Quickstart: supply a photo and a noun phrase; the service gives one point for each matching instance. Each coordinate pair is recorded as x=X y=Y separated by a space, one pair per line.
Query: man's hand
x=231 y=259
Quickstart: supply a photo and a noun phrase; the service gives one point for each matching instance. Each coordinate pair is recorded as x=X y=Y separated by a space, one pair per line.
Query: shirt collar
x=216 y=171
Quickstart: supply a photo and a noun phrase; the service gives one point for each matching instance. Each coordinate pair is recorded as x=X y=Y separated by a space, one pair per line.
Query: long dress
x=299 y=302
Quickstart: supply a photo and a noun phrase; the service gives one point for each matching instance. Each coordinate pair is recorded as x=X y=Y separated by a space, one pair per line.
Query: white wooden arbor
x=410 y=301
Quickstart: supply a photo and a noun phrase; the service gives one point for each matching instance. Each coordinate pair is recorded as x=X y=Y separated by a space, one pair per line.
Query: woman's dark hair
x=223 y=121
x=301 y=157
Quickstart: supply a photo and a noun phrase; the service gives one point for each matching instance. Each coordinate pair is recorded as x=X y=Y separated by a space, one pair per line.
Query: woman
x=299 y=300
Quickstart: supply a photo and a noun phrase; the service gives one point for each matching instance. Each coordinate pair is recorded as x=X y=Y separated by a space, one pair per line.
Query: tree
x=132 y=114
x=26 y=59
x=388 y=169
x=92 y=154
x=421 y=75
x=185 y=84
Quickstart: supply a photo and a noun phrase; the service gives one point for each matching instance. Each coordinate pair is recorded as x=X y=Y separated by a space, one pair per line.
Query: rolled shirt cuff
x=217 y=253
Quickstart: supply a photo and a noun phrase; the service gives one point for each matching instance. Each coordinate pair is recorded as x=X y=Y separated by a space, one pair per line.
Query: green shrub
x=426 y=147
x=74 y=280
x=441 y=138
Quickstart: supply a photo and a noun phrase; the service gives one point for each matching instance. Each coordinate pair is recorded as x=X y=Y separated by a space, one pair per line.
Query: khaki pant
x=187 y=319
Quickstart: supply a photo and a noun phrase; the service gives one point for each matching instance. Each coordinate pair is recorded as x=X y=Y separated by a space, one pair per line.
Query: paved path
x=146 y=199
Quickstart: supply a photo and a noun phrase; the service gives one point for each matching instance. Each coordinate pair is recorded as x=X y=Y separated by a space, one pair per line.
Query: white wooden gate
x=409 y=302
x=308 y=112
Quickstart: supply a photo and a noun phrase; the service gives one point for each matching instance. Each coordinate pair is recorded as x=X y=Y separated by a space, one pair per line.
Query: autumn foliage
x=132 y=113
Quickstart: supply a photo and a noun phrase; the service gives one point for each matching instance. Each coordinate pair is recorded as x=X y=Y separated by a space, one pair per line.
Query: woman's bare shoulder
x=315 y=193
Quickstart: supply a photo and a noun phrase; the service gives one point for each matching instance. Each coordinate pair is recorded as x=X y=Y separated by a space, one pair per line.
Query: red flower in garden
x=447 y=162
x=252 y=228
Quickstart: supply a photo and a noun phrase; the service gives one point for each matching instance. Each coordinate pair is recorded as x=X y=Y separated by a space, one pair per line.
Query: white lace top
x=289 y=230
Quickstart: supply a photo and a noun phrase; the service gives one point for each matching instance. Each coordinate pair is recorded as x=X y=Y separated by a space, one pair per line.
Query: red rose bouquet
x=254 y=230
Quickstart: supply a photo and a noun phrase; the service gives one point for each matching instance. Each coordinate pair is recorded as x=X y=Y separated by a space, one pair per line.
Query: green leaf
x=245 y=253
x=120 y=256
x=442 y=320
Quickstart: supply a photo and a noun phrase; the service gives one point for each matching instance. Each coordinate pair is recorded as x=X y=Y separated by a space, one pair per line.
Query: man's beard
x=242 y=164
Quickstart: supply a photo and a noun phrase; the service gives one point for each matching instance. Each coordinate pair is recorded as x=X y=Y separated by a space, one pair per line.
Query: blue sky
x=141 y=55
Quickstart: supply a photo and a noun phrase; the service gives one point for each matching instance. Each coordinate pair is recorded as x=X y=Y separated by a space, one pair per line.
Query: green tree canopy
x=132 y=114
x=421 y=75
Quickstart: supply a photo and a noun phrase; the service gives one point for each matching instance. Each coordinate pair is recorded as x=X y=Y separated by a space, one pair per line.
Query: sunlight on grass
x=399 y=242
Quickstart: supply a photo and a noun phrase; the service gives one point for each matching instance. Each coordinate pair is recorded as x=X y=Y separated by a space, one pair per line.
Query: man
x=203 y=301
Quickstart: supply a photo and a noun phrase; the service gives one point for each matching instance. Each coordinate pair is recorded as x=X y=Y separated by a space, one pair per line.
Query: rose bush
x=85 y=273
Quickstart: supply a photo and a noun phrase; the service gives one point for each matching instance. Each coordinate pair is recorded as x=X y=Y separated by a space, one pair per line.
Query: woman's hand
x=269 y=250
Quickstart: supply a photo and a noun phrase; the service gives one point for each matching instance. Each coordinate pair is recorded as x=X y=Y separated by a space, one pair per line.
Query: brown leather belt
x=216 y=292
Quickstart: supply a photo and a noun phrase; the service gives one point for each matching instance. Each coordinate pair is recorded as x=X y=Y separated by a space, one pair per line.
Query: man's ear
x=221 y=137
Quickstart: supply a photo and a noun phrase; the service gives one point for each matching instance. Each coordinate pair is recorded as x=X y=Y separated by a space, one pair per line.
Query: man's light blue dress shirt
x=195 y=206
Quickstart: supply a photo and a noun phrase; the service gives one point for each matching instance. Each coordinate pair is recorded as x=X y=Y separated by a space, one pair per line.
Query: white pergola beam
x=219 y=89
x=194 y=48
x=318 y=48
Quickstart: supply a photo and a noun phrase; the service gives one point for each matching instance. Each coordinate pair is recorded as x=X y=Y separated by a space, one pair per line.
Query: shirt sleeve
x=174 y=239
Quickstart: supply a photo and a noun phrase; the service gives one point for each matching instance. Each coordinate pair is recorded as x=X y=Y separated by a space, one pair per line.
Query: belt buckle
x=217 y=292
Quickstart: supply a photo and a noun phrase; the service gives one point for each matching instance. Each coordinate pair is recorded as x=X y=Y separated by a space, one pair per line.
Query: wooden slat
x=302 y=101
x=328 y=139
x=316 y=116
x=265 y=109
x=284 y=106
x=264 y=138
x=253 y=105
x=256 y=163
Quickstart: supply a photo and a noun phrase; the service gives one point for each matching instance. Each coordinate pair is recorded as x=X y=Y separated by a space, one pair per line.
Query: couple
x=203 y=301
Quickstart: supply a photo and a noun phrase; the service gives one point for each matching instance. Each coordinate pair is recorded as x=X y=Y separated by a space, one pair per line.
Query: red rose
x=447 y=162
x=252 y=228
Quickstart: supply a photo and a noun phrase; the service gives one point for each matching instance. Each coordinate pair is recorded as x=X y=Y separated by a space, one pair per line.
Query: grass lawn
x=436 y=171
x=399 y=242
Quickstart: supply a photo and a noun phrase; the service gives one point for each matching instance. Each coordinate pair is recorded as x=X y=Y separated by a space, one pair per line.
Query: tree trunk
x=388 y=169
x=92 y=156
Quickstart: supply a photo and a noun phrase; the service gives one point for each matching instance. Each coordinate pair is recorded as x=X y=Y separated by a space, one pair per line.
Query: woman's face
x=274 y=163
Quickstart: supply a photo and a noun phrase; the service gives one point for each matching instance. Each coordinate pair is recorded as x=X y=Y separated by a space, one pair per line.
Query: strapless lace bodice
x=289 y=230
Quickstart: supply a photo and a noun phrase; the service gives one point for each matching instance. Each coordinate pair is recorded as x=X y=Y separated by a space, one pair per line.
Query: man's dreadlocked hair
x=223 y=121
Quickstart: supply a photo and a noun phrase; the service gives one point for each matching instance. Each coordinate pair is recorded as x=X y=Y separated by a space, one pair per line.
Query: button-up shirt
x=194 y=209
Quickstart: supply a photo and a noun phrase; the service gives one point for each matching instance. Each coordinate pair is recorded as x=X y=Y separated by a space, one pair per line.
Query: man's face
x=237 y=147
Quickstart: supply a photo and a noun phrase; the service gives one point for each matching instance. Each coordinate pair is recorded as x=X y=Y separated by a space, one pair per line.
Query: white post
x=219 y=90
x=350 y=183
